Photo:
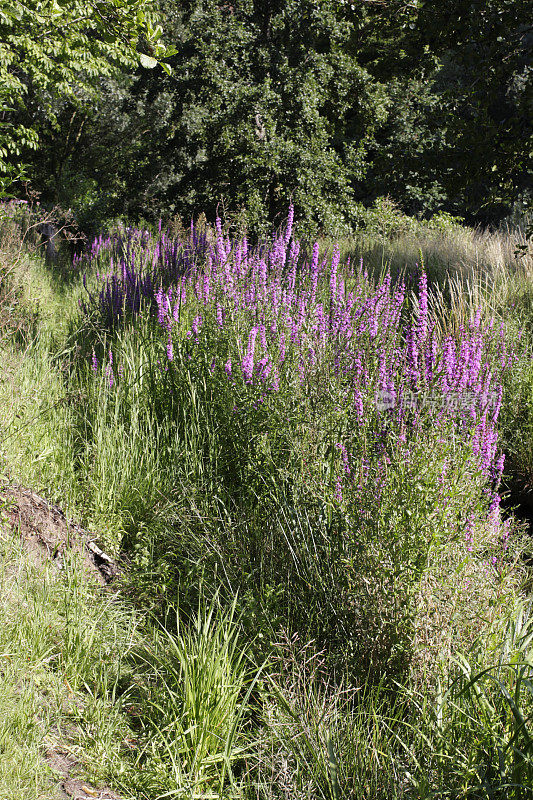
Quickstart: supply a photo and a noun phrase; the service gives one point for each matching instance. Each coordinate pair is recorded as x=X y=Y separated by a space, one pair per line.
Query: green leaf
x=147 y=61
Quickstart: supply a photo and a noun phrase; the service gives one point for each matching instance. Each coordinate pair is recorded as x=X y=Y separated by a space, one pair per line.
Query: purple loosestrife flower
x=494 y=509
x=422 y=321
x=345 y=326
x=431 y=356
x=196 y=323
x=248 y=360
x=497 y=471
x=94 y=363
x=260 y=366
x=294 y=330
x=300 y=313
x=282 y=348
x=290 y=220
x=294 y=252
x=221 y=249
x=463 y=365
x=166 y=307
x=391 y=391
x=228 y=277
x=357 y=366
x=267 y=369
x=244 y=261
x=492 y=446
x=358 y=405
x=345 y=459
x=314 y=263
x=475 y=440
x=449 y=363
x=206 y=289
x=374 y=319
x=170 y=348
x=333 y=275
x=227 y=367
x=475 y=362
x=412 y=358
x=160 y=306
x=278 y=256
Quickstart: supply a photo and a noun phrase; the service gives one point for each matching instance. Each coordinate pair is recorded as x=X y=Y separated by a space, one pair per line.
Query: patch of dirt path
x=46 y=533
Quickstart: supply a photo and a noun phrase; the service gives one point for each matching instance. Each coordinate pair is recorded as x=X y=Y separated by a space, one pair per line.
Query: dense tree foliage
x=59 y=50
x=462 y=136
x=328 y=102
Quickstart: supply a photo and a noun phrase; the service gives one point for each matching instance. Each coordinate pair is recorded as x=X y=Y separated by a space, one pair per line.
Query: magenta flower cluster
x=279 y=317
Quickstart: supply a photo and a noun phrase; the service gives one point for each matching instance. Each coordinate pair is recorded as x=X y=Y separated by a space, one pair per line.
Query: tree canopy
x=329 y=102
x=51 y=49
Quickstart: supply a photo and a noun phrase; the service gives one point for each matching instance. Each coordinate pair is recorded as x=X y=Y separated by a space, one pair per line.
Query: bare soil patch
x=46 y=533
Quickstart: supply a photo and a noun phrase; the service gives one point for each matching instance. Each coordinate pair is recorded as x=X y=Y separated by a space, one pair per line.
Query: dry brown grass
x=457 y=252
x=463 y=600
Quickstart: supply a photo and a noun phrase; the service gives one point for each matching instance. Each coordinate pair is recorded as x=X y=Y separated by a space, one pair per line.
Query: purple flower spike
x=290 y=220
x=498 y=470
x=358 y=404
x=494 y=509
x=248 y=360
x=160 y=306
x=333 y=276
x=422 y=307
x=195 y=327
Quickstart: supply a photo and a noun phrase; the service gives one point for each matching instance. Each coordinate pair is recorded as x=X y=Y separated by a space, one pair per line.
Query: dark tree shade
x=327 y=102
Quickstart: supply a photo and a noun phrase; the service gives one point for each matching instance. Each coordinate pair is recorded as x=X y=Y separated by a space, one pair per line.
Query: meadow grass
x=129 y=703
x=60 y=644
